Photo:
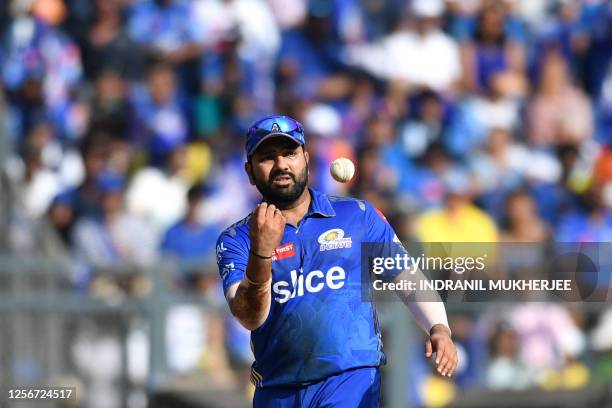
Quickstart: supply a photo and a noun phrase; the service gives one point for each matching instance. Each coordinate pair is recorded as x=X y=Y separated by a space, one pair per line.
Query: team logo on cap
x=275 y=127
x=334 y=239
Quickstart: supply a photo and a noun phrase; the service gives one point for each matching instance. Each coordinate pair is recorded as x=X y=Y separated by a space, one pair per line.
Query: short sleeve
x=381 y=239
x=232 y=258
x=379 y=229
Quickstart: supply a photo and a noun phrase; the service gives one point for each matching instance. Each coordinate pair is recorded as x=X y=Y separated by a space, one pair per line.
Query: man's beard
x=283 y=196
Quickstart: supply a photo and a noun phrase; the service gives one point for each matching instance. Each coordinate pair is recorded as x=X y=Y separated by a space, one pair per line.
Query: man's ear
x=306 y=156
x=248 y=168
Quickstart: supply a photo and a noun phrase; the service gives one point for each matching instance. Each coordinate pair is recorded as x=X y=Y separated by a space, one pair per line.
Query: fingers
x=264 y=211
x=446 y=359
x=259 y=215
x=442 y=358
x=267 y=211
x=453 y=362
x=271 y=208
x=428 y=350
x=449 y=367
x=279 y=214
x=445 y=355
x=261 y=209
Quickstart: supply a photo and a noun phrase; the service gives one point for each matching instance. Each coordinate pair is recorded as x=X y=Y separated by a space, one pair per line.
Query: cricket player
x=292 y=276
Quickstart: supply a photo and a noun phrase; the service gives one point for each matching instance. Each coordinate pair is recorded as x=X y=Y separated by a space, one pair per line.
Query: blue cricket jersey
x=318 y=324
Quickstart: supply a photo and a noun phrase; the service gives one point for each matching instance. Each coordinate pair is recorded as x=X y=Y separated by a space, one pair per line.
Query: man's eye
x=292 y=153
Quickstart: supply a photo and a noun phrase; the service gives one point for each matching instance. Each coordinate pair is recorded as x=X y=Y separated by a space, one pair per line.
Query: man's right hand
x=267 y=228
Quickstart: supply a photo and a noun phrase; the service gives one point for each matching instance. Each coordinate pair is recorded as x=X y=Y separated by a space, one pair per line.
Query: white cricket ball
x=342 y=169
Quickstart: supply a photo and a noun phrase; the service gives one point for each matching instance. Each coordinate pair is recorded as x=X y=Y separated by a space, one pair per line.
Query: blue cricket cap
x=273 y=126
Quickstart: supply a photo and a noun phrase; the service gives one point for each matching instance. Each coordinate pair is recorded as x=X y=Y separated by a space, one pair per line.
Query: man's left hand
x=440 y=342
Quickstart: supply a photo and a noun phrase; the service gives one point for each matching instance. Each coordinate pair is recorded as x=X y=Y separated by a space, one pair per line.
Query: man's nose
x=281 y=162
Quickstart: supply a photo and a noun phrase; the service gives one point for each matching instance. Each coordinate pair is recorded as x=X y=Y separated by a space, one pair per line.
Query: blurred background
x=122 y=129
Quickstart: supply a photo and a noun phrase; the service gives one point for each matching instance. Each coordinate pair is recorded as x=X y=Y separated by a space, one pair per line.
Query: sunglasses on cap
x=273 y=126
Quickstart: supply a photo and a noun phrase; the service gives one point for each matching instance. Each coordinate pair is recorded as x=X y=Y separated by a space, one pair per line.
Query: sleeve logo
x=220 y=250
x=227 y=268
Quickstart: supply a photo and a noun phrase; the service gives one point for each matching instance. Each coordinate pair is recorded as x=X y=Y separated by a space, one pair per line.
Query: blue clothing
x=190 y=242
x=463 y=27
x=466 y=131
x=162 y=126
x=213 y=68
x=313 y=61
x=579 y=227
x=489 y=62
x=318 y=324
x=574 y=232
x=164 y=27
x=193 y=245
x=34 y=50
x=363 y=383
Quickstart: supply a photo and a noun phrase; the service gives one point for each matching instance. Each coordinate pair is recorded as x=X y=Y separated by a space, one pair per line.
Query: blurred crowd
x=122 y=125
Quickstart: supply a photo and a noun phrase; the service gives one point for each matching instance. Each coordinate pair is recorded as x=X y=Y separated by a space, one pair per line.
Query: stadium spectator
x=563 y=31
x=499 y=169
x=493 y=52
x=458 y=221
x=114 y=237
x=591 y=222
x=522 y=222
x=61 y=218
x=373 y=174
x=308 y=63
x=418 y=40
x=110 y=107
x=229 y=83
x=426 y=126
x=36 y=185
x=524 y=235
x=476 y=115
x=259 y=32
x=160 y=116
x=167 y=29
x=560 y=112
x=169 y=182
x=86 y=195
x=604 y=111
x=289 y=14
x=596 y=21
x=435 y=177
x=502 y=165
x=41 y=67
x=505 y=370
x=192 y=241
x=548 y=337
x=107 y=45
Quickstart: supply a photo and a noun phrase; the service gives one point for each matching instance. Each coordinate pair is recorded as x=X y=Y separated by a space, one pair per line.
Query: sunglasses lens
x=273 y=125
x=278 y=125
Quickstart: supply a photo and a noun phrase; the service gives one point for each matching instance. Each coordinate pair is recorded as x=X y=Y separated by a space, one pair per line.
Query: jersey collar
x=320 y=204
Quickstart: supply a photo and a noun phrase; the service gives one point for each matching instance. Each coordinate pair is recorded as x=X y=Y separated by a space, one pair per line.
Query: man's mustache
x=280 y=173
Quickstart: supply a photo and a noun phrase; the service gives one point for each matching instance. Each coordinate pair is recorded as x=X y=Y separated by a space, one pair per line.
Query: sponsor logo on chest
x=334 y=239
x=283 y=252
x=312 y=282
